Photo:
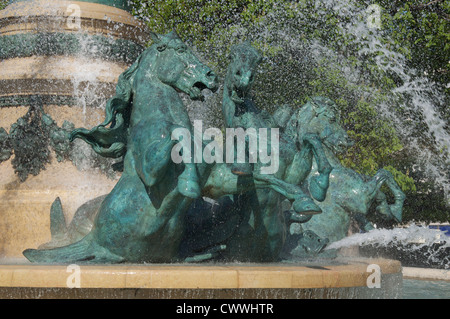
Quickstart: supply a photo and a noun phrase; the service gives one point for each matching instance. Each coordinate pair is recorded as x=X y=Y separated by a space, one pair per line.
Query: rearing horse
x=239 y=111
x=142 y=219
x=350 y=194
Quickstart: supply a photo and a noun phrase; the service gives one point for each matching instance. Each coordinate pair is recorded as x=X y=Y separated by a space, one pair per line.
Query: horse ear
x=317 y=106
x=173 y=34
x=158 y=40
x=155 y=37
x=232 y=54
x=260 y=57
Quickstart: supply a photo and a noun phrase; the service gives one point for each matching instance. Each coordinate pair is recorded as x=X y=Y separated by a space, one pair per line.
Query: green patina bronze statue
x=142 y=219
x=160 y=211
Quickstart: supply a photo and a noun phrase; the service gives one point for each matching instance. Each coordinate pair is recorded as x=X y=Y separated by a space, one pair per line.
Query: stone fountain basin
x=338 y=278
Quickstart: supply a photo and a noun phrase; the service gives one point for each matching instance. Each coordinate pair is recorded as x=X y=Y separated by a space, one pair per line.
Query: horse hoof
x=295 y=217
x=306 y=206
x=396 y=211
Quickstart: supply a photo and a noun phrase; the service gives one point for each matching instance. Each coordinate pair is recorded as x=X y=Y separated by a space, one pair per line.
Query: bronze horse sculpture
x=142 y=219
x=254 y=226
x=314 y=124
x=350 y=194
x=133 y=223
x=268 y=234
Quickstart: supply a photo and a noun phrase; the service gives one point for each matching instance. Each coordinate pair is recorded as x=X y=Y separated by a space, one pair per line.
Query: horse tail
x=111 y=142
x=83 y=251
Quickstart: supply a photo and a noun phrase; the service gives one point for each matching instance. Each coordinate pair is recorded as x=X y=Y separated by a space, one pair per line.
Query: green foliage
x=422 y=27
x=407 y=182
x=3 y=4
x=196 y=20
x=426 y=206
x=377 y=143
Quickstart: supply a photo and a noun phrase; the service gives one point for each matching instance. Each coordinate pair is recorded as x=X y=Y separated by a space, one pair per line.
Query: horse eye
x=238 y=73
x=161 y=47
x=181 y=50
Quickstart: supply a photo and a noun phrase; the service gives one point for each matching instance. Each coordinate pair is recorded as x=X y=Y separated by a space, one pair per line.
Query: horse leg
x=363 y=222
x=302 y=203
x=151 y=152
x=152 y=149
x=188 y=182
x=393 y=210
x=373 y=192
x=222 y=182
x=318 y=185
x=382 y=205
x=300 y=167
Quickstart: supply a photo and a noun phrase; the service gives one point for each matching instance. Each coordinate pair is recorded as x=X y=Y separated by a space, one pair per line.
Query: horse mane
x=245 y=50
x=111 y=141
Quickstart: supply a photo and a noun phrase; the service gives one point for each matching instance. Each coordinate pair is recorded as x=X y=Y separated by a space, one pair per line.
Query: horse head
x=244 y=59
x=321 y=116
x=177 y=66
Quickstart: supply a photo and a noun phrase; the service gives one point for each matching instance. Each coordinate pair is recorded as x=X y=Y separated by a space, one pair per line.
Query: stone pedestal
x=69 y=54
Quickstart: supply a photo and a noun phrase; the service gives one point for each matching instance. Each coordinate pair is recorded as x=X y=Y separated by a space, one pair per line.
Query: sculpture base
x=25 y=207
x=339 y=278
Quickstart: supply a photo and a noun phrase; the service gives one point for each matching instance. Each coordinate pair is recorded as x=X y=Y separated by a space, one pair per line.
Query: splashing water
x=419 y=235
x=430 y=244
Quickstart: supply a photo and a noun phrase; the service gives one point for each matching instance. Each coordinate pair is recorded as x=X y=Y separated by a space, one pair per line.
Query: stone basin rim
x=352 y=272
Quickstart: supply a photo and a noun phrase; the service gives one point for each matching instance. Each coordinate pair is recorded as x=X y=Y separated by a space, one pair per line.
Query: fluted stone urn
x=59 y=63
